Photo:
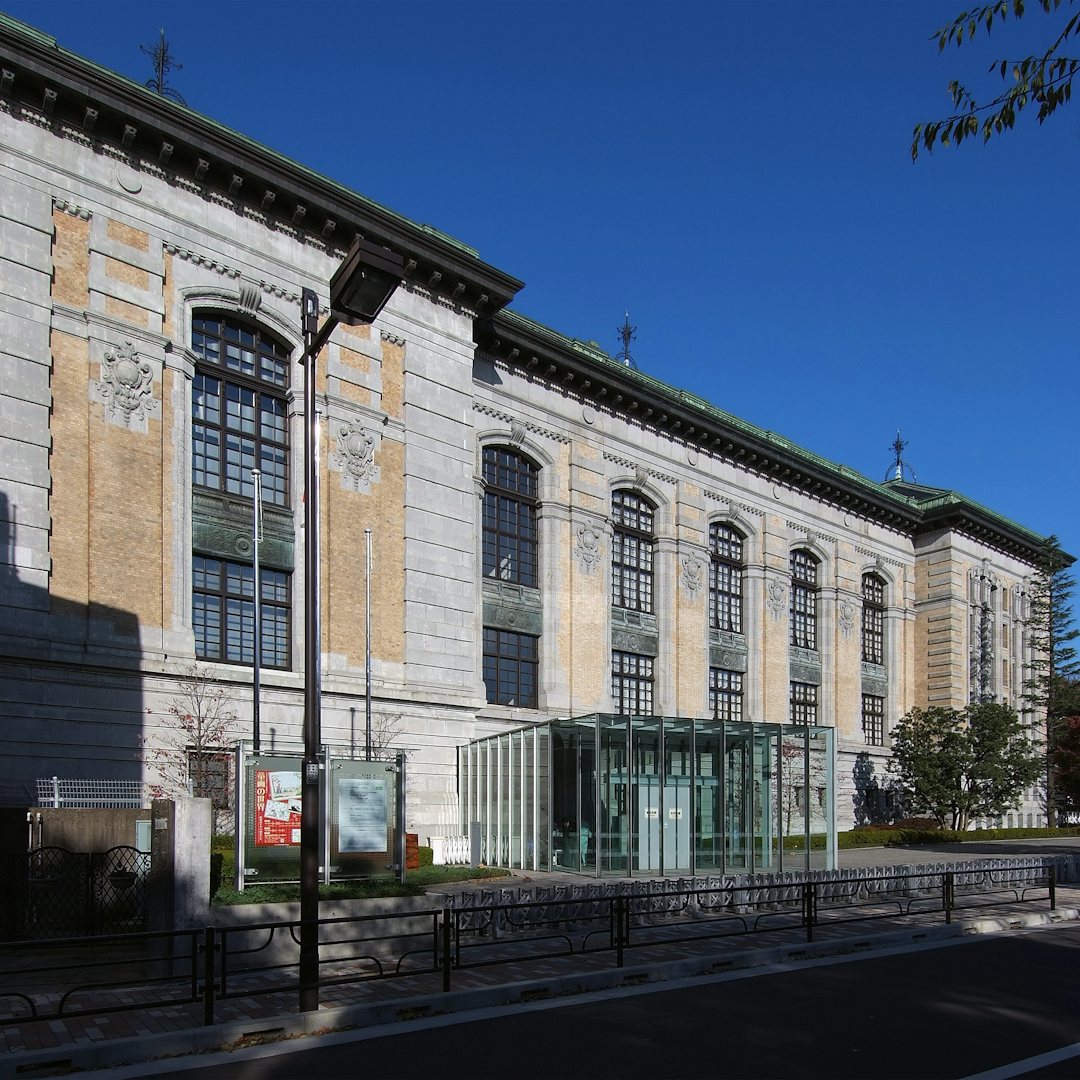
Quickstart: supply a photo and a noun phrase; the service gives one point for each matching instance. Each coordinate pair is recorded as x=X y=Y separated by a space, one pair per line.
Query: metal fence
x=92 y=794
x=51 y=892
x=195 y=970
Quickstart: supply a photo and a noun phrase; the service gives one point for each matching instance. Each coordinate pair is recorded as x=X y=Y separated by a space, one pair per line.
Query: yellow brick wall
x=125 y=312
x=344 y=516
x=71 y=260
x=126 y=234
x=70 y=468
x=107 y=493
x=125 y=272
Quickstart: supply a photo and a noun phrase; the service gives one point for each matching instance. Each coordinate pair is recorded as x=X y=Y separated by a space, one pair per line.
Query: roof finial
x=163 y=64
x=899 y=466
x=626 y=333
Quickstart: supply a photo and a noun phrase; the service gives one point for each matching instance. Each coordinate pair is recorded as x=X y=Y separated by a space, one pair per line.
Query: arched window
x=725 y=578
x=632 y=552
x=239 y=422
x=873 y=619
x=239 y=415
x=804 y=586
x=509 y=529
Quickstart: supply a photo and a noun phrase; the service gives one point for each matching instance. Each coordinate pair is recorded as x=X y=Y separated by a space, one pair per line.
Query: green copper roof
x=927 y=503
x=49 y=42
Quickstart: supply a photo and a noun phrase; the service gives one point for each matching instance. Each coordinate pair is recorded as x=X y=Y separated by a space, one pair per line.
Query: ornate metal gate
x=58 y=893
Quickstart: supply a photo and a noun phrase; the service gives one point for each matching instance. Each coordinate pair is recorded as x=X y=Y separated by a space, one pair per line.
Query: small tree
x=1065 y=761
x=959 y=765
x=1051 y=691
x=194 y=759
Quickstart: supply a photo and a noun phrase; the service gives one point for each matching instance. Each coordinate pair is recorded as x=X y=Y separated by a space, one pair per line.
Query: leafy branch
x=1044 y=80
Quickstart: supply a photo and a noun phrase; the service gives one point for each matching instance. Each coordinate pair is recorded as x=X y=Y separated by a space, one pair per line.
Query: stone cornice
x=76 y=99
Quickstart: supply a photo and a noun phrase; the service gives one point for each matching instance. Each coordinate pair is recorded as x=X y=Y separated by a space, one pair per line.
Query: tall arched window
x=873 y=619
x=632 y=552
x=239 y=422
x=509 y=529
x=725 y=578
x=239 y=415
x=804 y=587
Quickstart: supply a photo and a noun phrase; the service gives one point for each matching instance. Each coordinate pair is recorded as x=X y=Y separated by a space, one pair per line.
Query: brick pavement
x=688 y=948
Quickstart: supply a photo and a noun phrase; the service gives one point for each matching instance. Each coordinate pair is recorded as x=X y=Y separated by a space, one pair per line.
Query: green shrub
x=892 y=836
x=216 y=861
x=426 y=855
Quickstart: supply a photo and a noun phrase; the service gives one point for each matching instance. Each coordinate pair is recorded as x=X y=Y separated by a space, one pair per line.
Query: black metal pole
x=310 y=808
x=256 y=658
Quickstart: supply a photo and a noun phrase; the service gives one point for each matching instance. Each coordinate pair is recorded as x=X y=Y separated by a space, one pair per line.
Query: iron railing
x=199 y=968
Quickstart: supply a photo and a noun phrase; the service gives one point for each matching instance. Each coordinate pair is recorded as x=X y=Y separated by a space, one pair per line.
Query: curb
x=234 y=1034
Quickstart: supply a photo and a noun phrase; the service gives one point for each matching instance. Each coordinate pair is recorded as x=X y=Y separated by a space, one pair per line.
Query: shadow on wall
x=71 y=693
x=877 y=798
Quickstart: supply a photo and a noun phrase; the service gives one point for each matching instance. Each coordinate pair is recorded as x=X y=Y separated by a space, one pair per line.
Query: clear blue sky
x=736 y=175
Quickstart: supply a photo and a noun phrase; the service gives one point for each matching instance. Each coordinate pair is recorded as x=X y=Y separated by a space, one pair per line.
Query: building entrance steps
x=109 y=1038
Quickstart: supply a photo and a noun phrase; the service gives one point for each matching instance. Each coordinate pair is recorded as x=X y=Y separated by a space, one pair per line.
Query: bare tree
x=193 y=758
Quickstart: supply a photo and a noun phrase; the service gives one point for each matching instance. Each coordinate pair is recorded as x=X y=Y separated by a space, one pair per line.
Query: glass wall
x=617 y=796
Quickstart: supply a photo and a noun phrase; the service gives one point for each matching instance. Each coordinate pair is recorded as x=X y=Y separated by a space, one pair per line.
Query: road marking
x=1031 y=1064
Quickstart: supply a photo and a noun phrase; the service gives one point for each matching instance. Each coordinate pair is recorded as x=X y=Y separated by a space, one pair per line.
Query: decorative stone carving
x=250 y=297
x=777 y=600
x=126 y=384
x=517 y=433
x=355 y=456
x=587 y=547
x=693 y=574
x=846 y=612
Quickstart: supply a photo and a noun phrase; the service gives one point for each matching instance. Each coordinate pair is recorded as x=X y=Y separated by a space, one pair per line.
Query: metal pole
x=311 y=809
x=400 y=814
x=256 y=529
x=367 y=642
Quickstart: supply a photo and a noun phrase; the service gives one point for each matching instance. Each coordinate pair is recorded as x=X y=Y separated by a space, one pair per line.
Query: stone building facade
x=555 y=533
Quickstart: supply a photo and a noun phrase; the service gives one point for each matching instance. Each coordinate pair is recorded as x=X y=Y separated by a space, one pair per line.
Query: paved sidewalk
x=50 y=1047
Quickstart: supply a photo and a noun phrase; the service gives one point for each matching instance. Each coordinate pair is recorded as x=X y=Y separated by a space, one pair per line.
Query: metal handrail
x=478 y=935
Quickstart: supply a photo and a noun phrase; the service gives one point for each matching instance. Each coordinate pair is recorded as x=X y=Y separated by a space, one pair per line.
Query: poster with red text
x=277 y=808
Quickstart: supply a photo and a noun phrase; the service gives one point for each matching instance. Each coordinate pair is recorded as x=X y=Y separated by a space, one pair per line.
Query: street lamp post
x=359 y=289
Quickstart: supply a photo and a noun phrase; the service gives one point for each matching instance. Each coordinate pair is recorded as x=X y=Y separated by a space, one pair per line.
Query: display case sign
x=362 y=817
x=277 y=808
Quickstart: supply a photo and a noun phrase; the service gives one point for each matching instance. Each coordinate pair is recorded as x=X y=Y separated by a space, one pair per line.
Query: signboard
x=362 y=814
x=277 y=808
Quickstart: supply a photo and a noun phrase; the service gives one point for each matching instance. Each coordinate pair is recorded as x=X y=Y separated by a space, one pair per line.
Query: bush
x=426 y=856
x=893 y=836
x=217 y=860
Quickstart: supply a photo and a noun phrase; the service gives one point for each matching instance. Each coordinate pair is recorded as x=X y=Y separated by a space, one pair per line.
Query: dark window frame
x=239 y=408
x=511 y=670
x=803 y=704
x=804 y=593
x=632 y=548
x=726 y=567
x=873 y=619
x=233 y=628
x=632 y=684
x=725 y=694
x=873 y=719
x=509 y=540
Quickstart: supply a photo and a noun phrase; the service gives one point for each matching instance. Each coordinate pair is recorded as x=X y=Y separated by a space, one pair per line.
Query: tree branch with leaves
x=1043 y=79
x=193 y=758
x=1051 y=689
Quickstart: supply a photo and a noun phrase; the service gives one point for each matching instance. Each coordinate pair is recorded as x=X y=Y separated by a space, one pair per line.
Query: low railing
x=196 y=969
x=450 y=850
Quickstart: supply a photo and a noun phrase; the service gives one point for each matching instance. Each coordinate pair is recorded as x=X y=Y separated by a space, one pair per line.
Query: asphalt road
x=985 y=1003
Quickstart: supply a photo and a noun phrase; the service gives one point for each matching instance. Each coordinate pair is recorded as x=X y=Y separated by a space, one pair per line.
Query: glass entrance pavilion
x=637 y=796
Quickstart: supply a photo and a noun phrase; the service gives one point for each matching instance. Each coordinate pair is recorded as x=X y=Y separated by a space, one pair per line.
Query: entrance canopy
x=629 y=796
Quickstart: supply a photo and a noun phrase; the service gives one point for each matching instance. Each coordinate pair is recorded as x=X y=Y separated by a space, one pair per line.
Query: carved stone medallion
x=355 y=456
x=587 y=547
x=693 y=574
x=777 y=600
x=126 y=384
